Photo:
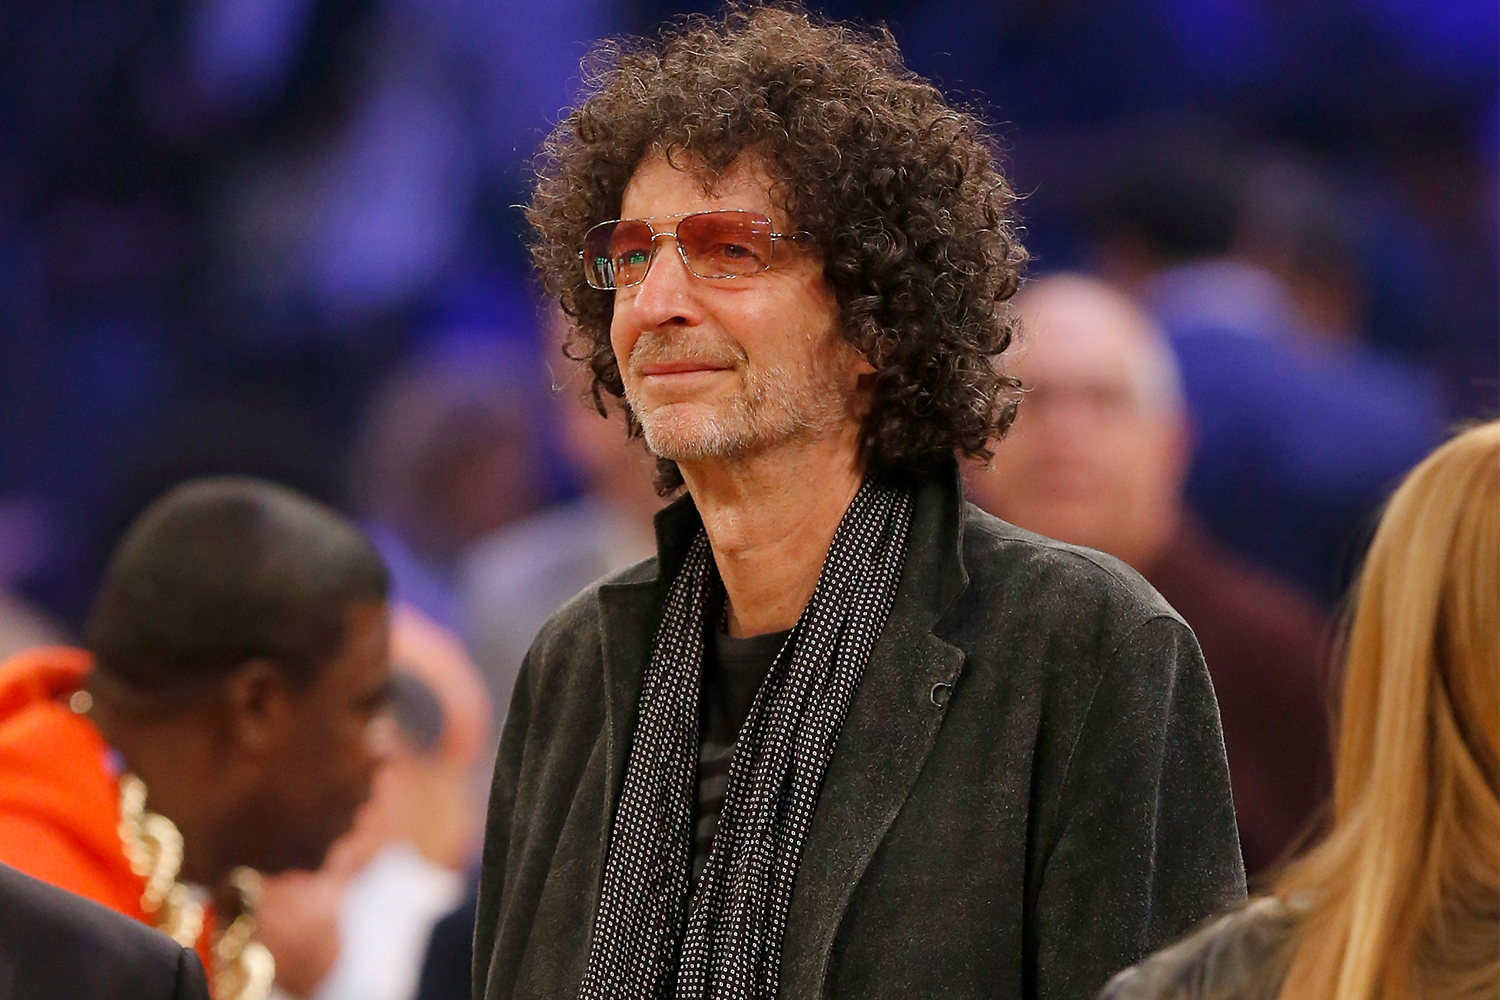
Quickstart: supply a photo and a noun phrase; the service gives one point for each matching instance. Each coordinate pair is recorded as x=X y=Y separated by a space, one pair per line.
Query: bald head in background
x=1098 y=453
x=1097 y=458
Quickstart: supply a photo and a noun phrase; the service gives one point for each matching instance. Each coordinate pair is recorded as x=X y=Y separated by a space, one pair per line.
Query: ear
x=258 y=705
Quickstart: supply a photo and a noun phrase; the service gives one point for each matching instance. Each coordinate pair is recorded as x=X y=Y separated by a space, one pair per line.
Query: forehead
x=364 y=660
x=1074 y=334
x=661 y=188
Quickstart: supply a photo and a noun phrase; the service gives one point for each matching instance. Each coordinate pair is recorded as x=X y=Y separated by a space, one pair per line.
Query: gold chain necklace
x=243 y=968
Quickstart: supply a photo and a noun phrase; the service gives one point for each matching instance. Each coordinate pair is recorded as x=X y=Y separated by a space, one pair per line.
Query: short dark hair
x=222 y=571
x=901 y=192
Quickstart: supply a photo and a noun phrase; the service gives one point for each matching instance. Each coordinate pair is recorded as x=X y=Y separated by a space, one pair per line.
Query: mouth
x=682 y=367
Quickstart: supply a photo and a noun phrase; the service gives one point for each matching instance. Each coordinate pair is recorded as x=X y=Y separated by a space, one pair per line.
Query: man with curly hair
x=845 y=735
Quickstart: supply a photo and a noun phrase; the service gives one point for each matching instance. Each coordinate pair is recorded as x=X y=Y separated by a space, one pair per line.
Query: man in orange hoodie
x=221 y=719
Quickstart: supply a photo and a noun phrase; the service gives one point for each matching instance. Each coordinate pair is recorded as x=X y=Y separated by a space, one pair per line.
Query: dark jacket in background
x=1029 y=792
x=1243 y=955
x=1267 y=648
x=55 y=945
x=448 y=968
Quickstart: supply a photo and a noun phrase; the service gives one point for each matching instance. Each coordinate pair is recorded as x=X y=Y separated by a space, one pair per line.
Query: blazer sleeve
x=1145 y=845
x=497 y=832
x=191 y=982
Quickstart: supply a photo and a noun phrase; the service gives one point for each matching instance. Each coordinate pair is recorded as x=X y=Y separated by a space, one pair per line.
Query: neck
x=770 y=519
x=174 y=762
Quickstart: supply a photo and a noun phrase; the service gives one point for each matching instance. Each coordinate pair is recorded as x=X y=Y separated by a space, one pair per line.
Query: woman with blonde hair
x=1402 y=899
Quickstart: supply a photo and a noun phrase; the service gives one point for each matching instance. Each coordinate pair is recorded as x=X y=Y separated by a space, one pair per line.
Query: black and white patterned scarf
x=649 y=943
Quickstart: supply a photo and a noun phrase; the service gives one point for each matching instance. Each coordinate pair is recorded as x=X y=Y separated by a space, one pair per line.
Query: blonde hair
x=1403 y=896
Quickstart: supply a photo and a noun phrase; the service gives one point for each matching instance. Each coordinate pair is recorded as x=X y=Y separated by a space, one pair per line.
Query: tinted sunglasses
x=727 y=244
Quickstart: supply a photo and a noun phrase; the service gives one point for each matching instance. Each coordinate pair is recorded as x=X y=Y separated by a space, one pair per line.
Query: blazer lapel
x=892 y=725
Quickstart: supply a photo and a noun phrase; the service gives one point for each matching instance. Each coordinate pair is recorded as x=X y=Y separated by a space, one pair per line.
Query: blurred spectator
x=446 y=456
x=513 y=581
x=1097 y=458
x=1402 y=898
x=1298 y=433
x=357 y=928
x=220 y=719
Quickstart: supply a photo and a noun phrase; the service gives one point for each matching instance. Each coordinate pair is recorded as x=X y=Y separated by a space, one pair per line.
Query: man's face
x=325 y=771
x=1096 y=454
x=729 y=368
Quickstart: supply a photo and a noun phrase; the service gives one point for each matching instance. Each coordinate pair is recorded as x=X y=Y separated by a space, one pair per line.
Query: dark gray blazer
x=56 y=945
x=1029 y=792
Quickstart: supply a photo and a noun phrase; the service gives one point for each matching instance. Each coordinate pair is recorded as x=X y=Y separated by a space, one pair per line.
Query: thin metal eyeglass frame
x=655 y=236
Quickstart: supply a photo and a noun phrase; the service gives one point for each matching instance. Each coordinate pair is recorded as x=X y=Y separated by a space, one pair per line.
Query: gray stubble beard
x=775 y=409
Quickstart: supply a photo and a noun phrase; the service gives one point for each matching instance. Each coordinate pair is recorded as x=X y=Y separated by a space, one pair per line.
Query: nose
x=665 y=296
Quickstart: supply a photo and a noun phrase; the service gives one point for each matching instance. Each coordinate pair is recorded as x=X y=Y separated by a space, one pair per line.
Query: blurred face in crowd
x=1098 y=451
x=319 y=749
x=728 y=368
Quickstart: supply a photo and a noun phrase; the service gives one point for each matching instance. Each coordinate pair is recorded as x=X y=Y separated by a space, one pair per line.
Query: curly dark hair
x=900 y=191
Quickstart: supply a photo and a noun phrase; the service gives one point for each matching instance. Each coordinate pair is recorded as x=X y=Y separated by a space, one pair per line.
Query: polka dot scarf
x=650 y=941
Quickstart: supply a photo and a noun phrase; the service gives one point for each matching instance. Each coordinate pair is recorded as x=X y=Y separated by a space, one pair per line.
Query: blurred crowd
x=280 y=238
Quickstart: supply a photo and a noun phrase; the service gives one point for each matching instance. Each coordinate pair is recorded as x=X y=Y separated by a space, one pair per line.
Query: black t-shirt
x=733 y=670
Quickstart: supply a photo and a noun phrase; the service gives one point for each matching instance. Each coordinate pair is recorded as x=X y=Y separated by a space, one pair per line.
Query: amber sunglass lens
x=616 y=254
x=725 y=244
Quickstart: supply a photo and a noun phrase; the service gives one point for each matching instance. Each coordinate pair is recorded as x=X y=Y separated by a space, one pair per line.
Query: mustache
x=655 y=348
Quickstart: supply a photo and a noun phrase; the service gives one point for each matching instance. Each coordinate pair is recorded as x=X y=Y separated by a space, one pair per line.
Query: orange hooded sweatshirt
x=59 y=793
